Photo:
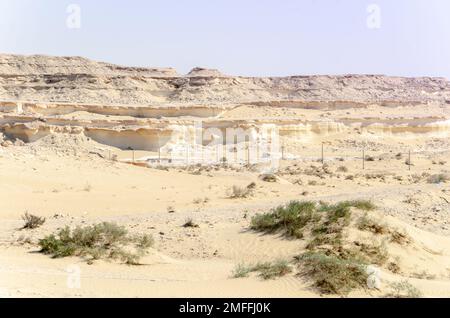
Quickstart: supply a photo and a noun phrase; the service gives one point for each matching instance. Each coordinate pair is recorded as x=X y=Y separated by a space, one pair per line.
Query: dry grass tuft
x=399 y=237
x=403 y=289
x=32 y=221
x=438 y=178
x=266 y=270
x=238 y=192
x=366 y=223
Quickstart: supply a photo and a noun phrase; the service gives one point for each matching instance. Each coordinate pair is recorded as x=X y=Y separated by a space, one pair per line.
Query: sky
x=239 y=37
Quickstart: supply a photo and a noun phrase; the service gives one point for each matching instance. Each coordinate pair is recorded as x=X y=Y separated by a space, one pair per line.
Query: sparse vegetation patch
x=366 y=223
x=100 y=241
x=332 y=274
x=190 y=223
x=438 y=178
x=266 y=270
x=238 y=192
x=335 y=266
x=32 y=221
x=404 y=289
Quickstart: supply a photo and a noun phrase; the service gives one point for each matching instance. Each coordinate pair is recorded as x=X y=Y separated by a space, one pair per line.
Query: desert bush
x=399 y=237
x=190 y=223
x=438 y=178
x=365 y=223
x=200 y=200
x=238 y=192
x=334 y=267
x=416 y=178
x=333 y=275
x=170 y=209
x=241 y=270
x=32 y=221
x=329 y=230
x=372 y=253
x=267 y=270
x=403 y=289
x=268 y=177
x=325 y=239
x=291 y=218
x=87 y=187
x=100 y=241
x=371 y=176
x=423 y=275
x=342 y=169
x=251 y=186
x=319 y=172
x=393 y=267
x=364 y=205
x=266 y=222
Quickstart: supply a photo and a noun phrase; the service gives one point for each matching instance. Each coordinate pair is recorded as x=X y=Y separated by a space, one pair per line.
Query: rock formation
x=143 y=107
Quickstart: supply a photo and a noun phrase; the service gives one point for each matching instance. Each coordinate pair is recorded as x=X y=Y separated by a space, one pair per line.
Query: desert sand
x=84 y=142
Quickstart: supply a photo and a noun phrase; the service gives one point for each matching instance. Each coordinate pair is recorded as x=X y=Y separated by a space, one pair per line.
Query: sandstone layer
x=146 y=108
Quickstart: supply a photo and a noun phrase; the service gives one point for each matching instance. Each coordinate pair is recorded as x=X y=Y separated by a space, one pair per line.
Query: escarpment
x=150 y=108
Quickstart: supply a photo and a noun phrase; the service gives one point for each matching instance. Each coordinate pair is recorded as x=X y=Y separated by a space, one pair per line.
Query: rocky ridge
x=75 y=79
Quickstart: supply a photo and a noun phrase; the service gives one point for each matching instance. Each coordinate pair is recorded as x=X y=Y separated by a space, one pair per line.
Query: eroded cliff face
x=78 y=80
x=153 y=108
x=125 y=128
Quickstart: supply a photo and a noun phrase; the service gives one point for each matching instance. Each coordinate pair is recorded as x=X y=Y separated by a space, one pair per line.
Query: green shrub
x=241 y=270
x=335 y=269
x=267 y=270
x=267 y=222
x=364 y=205
x=333 y=275
x=373 y=253
x=295 y=216
x=291 y=218
x=100 y=241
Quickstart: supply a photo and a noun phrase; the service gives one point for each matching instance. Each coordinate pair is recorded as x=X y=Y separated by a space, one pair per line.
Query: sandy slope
x=63 y=120
x=75 y=190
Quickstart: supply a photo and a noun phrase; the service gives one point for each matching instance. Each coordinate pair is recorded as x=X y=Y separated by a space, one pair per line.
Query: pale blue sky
x=240 y=37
